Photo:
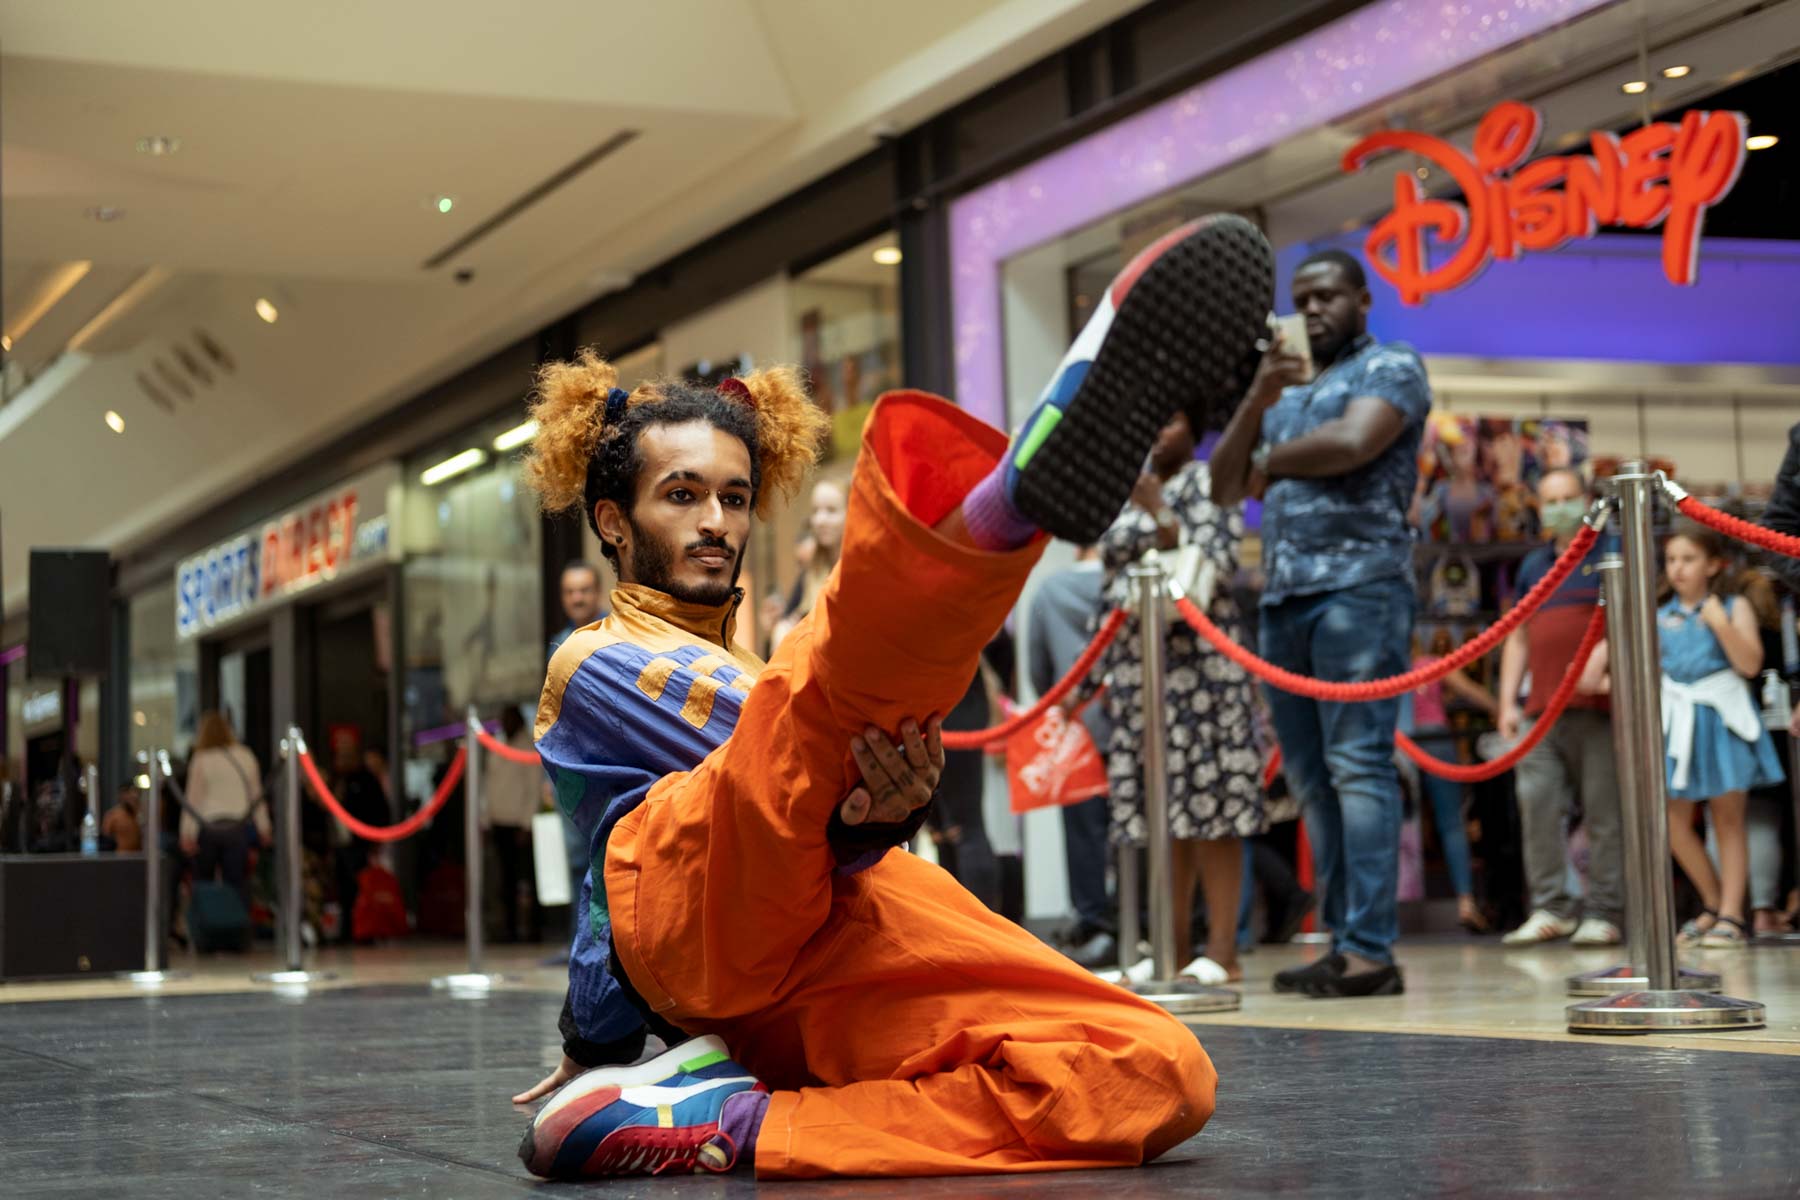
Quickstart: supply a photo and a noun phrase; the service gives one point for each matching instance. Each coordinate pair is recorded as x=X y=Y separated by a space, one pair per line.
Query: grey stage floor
x=398 y=1092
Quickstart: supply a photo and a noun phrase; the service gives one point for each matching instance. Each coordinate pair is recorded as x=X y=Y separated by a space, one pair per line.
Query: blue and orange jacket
x=649 y=690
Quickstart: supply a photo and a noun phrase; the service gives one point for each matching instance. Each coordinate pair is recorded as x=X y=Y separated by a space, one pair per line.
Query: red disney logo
x=1659 y=173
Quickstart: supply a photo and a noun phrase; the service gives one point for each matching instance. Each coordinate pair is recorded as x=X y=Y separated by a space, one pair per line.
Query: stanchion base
x=1665 y=1012
x=1182 y=997
x=469 y=983
x=293 y=979
x=151 y=979
x=1627 y=978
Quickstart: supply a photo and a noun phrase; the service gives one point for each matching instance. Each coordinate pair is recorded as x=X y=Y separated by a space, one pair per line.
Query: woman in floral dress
x=1214 y=767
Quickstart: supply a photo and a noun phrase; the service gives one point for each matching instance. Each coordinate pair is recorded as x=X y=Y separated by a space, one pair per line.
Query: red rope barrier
x=1740 y=529
x=511 y=753
x=976 y=739
x=1553 y=711
x=387 y=833
x=1395 y=685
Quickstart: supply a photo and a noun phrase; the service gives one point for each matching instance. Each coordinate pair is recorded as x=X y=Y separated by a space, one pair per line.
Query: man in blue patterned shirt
x=1335 y=460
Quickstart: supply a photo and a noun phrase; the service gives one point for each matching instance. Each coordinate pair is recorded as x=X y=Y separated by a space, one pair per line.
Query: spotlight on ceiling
x=888 y=256
x=444 y=204
x=114 y=421
x=1634 y=88
x=1761 y=141
x=1676 y=72
x=159 y=145
x=267 y=310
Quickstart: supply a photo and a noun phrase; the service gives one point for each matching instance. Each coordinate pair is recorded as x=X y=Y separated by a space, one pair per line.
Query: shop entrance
x=235 y=679
x=348 y=669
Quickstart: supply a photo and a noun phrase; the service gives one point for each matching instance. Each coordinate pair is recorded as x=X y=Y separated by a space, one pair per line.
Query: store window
x=846 y=330
x=473 y=576
x=164 y=685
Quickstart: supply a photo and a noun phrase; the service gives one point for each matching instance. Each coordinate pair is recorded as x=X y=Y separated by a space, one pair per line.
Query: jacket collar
x=715 y=623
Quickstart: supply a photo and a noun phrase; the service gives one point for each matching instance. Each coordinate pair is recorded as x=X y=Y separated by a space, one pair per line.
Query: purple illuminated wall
x=1354 y=62
x=1602 y=298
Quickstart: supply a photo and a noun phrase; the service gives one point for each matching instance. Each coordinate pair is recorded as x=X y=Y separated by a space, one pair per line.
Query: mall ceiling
x=403 y=186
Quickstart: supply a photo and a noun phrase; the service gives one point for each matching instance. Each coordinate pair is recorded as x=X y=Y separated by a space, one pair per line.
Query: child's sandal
x=1728 y=934
x=1693 y=932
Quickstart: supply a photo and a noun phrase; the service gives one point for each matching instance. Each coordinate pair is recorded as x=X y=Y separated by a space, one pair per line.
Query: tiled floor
x=378 y=1086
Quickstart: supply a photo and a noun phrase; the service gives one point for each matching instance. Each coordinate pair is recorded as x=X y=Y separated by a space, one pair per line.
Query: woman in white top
x=224 y=812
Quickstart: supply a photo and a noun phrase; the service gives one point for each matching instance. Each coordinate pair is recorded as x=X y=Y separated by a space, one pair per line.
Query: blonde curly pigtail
x=790 y=430
x=569 y=404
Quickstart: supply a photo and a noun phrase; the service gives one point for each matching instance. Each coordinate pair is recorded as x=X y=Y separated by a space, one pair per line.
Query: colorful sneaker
x=656 y=1117
x=1176 y=330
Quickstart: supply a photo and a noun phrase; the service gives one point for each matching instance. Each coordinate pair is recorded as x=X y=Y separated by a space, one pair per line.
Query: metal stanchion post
x=1131 y=933
x=154 y=973
x=1165 y=988
x=1659 y=1007
x=290 y=863
x=1632 y=975
x=474 y=980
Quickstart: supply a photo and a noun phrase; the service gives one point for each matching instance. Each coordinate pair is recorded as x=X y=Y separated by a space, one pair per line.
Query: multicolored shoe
x=659 y=1116
x=1176 y=330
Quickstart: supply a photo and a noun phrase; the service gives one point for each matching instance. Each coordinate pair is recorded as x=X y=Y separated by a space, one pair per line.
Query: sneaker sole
x=1184 y=338
x=591 y=1091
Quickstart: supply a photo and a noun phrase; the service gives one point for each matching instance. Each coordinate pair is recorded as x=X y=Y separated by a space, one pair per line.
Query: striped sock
x=992 y=520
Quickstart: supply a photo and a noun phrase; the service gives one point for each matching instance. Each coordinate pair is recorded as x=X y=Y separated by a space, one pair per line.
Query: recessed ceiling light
x=114 y=421
x=1761 y=141
x=518 y=435
x=444 y=203
x=456 y=464
x=158 y=145
x=888 y=256
x=105 y=212
x=5 y=343
x=266 y=310
x=1634 y=88
x=1676 y=72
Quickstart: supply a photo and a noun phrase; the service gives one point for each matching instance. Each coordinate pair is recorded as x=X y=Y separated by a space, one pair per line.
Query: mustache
x=718 y=543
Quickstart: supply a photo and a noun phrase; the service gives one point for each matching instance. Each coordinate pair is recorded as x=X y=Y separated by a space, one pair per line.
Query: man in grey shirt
x=1065 y=612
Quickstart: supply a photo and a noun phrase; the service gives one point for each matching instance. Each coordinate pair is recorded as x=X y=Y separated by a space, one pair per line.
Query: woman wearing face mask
x=1576 y=757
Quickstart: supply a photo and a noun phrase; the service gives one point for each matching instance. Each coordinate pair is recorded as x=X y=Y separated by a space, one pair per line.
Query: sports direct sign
x=340 y=532
x=1662 y=173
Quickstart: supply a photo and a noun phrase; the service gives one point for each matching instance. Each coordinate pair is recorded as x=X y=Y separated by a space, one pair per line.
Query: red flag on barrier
x=1053 y=762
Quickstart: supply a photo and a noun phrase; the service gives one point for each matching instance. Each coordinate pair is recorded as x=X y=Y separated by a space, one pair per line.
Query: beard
x=653 y=566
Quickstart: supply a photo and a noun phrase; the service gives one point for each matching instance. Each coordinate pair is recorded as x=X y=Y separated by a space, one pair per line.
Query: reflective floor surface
x=390 y=1089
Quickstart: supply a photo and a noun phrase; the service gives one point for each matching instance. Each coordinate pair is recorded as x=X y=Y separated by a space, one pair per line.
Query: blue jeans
x=1339 y=758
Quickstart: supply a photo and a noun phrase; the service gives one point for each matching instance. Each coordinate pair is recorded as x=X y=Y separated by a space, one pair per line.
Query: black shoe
x=1296 y=979
x=1293 y=915
x=1383 y=981
x=1100 y=950
x=1176 y=331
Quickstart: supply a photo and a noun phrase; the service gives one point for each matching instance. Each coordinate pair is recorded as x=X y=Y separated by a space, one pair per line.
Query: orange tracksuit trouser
x=903 y=1028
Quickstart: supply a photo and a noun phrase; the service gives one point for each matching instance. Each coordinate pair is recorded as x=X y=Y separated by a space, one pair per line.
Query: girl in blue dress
x=1716 y=746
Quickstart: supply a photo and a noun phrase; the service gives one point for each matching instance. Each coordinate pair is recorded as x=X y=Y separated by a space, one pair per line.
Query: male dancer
x=886 y=1022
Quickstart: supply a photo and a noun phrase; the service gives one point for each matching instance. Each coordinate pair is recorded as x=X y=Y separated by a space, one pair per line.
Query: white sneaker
x=1540 y=926
x=1206 y=972
x=1595 y=932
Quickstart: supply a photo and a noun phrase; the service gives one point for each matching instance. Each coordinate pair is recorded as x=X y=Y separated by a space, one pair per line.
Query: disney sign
x=1662 y=173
